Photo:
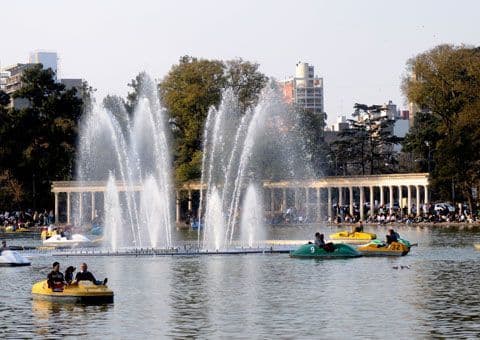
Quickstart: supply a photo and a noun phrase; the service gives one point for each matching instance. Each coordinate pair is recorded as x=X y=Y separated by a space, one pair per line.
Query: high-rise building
x=305 y=90
x=47 y=59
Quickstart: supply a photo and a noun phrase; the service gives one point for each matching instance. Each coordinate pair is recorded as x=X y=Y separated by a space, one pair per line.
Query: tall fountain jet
x=242 y=148
x=133 y=155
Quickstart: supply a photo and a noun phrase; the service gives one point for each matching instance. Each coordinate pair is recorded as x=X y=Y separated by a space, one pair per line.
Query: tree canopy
x=444 y=83
x=38 y=141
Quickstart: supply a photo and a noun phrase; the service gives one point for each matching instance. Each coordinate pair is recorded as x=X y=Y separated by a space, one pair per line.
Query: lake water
x=264 y=295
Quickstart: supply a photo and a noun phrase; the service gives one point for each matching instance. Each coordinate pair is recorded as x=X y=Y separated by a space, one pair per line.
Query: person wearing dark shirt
x=85 y=275
x=319 y=240
x=55 y=279
x=392 y=236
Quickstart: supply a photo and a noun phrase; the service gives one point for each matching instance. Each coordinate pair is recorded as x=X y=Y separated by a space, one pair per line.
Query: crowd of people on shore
x=382 y=216
x=26 y=218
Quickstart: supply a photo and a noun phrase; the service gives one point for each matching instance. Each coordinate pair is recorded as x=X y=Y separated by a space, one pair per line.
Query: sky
x=360 y=48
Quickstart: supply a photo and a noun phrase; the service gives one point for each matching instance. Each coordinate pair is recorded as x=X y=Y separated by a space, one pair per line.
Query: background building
x=47 y=59
x=11 y=76
x=305 y=90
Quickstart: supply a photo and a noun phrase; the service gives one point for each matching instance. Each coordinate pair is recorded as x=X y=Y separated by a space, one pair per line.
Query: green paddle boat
x=340 y=250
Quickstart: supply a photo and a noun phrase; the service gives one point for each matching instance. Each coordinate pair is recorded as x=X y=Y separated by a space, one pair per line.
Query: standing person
x=85 y=275
x=55 y=278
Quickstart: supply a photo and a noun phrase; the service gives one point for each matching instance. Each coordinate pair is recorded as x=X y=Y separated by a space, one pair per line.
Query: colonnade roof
x=409 y=179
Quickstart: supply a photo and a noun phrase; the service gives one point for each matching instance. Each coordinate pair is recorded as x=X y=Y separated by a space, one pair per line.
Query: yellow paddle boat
x=82 y=292
x=477 y=246
x=11 y=229
x=379 y=248
x=355 y=237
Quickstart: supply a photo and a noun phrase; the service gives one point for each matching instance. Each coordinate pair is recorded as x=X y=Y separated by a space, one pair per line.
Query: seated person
x=55 y=279
x=319 y=240
x=359 y=228
x=69 y=274
x=392 y=236
x=85 y=275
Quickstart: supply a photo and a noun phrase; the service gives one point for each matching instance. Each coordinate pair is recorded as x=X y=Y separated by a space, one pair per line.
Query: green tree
x=421 y=141
x=444 y=82
x=367 y=147
x=245 y=80
x=38 y=142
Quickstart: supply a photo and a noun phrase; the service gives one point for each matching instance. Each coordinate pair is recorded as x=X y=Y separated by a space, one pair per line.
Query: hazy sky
x=359 y=47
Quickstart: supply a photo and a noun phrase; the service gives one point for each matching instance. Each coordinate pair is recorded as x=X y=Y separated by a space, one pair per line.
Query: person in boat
x=320 y=242
x=358 y=228
x=69 y=274
x=55 y=279
x=85 y=275
x=392 y=236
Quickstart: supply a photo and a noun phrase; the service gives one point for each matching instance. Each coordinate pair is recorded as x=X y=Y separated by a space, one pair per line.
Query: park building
x=305 y=89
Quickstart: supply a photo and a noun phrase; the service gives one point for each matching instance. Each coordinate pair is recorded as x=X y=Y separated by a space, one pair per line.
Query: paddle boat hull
x=352 y=237
x=10 y=258
x=379 y=248
x=84 y=292
x=76 y=240
x=312 y=251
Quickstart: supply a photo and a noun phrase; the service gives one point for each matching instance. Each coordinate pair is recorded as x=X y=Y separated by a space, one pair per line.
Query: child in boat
x=69 y=274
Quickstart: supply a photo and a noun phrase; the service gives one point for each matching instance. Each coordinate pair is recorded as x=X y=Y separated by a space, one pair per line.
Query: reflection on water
x=258 y=296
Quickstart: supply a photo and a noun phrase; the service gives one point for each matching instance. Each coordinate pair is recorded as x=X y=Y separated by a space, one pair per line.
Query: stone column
x=362 y=202
x=372 y=201
x=340 y=197
x=56 y=208
x=425 y=187
x=68 y=207
x=382 y=198
x=390 y=189
x=350 y=210
x=177 y=206
x=400 y=199
x=417 y=196
x=272 y=200
x=409 y=199
x=93 y=204
x=284 y=199
x=329 y=209
x=189 y=200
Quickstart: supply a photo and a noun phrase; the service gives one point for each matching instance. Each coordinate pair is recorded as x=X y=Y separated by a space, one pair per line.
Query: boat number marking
x=312 y=249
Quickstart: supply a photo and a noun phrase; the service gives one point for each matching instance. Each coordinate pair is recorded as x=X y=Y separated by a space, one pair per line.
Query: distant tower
x=305 y=90
x=47 y=59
